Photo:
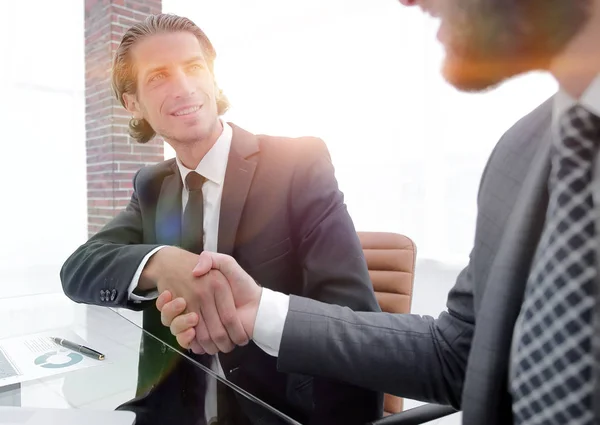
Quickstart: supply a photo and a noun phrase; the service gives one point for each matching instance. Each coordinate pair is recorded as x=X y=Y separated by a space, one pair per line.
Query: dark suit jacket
x=461 y=358
x=283 y=219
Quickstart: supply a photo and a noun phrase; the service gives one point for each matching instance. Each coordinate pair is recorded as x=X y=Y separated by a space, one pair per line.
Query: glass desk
x=35 y=372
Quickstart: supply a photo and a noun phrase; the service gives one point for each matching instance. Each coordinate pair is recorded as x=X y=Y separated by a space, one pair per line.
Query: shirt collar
x=214 y=164
x=590 y=100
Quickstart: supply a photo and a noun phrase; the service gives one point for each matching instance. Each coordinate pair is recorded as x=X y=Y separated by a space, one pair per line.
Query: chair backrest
x=391 y=262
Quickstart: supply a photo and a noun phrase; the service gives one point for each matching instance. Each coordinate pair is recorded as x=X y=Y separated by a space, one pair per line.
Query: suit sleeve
x=411 y=356
x=100 y=271
x=335 y=272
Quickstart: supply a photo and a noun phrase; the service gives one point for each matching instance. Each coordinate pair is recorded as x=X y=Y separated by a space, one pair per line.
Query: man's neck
x=577 y=66
x=190 y=154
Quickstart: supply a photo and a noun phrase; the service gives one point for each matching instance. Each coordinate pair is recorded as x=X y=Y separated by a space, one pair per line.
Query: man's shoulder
x=158 y=169
x=286 y=149
x=520 y=142
x=511 y=159
x=294 y=148
x=532 y=125
x=149 y=174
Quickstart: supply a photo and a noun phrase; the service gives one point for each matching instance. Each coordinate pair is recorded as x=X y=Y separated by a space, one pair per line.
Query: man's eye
x=196 y=67
x=157 y=77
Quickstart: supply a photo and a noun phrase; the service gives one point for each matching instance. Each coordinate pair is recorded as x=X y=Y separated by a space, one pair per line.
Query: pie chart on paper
x=58 y=360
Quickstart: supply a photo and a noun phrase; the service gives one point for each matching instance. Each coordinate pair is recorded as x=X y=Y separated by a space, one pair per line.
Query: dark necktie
x=553 y=362
x=192 y=229
x=192 y=240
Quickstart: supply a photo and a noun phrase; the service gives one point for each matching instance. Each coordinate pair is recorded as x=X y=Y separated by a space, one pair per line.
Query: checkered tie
x=552 y=381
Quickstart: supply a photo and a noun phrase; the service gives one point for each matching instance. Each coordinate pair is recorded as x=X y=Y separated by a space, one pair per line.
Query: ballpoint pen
x=79 y=348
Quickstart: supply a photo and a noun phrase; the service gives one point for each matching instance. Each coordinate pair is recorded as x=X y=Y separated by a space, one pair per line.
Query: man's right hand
x=170 y=269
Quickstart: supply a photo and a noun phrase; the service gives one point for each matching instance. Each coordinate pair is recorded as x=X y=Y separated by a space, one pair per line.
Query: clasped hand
x=226 y=305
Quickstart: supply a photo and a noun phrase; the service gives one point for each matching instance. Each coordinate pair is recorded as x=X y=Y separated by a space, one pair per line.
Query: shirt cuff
x=270 y=320
x=151 y=295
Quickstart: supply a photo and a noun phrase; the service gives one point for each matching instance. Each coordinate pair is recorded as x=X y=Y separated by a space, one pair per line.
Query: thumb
x=225 y=264
x=204 y=265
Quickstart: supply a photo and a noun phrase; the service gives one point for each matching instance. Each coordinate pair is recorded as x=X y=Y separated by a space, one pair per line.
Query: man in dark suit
x=520 y=340
x=270 y=202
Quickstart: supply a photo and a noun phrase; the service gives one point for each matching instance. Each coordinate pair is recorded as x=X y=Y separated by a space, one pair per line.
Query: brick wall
x=112 y=156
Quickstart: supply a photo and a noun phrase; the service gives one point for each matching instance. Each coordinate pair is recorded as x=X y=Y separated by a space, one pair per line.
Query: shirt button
x=113 y=294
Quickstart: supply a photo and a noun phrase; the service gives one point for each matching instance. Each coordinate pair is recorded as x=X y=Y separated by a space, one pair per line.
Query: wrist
x=154 y=271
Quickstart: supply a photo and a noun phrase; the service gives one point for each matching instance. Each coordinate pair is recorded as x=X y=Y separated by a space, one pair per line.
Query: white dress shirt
x=273 y=306
x=213 y=167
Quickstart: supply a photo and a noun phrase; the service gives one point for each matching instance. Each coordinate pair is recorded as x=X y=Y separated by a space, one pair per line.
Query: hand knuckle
x=221 y=337
x=202 y=336
x=228 y=318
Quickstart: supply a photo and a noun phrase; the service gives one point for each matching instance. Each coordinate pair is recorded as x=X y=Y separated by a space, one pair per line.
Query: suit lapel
x=168 y=210
x=238 y=179
x=500 y=306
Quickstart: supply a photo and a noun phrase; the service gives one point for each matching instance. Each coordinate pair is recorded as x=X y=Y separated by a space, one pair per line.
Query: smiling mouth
x=187 y=111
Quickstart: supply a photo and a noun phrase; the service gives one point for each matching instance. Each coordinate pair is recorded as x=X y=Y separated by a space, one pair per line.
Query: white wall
x=43 y=192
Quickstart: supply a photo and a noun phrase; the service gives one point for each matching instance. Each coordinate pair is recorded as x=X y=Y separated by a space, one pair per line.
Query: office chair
x=391 y=261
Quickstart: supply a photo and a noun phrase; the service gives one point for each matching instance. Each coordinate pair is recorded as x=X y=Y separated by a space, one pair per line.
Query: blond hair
x=124 y=78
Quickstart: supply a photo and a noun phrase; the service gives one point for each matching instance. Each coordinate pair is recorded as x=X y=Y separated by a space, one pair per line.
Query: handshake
x=211 y=310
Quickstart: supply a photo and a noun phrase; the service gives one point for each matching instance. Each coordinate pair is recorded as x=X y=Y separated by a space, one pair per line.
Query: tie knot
x=579 y=130
x=194 y=181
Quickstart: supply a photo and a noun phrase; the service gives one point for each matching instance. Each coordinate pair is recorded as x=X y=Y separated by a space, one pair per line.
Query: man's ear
x=132 y=105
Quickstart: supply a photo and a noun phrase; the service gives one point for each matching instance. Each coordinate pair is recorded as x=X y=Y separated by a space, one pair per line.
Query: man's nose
x=183 y=85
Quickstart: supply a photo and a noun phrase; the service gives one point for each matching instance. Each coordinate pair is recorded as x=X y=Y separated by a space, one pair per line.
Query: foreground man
x=271 y=202
x=520 y=340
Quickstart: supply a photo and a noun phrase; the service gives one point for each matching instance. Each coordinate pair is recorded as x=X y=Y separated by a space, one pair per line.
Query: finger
x=228 y=315
x=204 y=264
x=208 y=310
x=184 y=322
x=203 y=337
x=171 y=310
x=196 y=348
x=185 y=338
x=162 y=299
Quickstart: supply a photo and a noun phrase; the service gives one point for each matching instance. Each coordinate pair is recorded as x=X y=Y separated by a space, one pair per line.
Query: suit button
x=113 y=294
x=102 y=292
x=163 y=348
x=102 y=299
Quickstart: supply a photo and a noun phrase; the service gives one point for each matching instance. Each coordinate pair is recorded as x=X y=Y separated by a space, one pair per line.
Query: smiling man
x=520 y=339
x=272 y=203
